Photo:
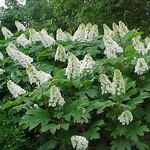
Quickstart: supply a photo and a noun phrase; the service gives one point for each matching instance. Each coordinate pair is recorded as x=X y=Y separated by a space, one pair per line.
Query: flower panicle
x=112 y=48
x=126 y=117
x=35 y=76
x=116 y=87
x=60 y=54
x=46 y=39
x=15 y=89
x=141 y=66
x=20 y=26
x=118 y=84
x=23 y=41
x=73 y=67
x=18 y=56
x=60 y=35
x=79 y=142
x=86 y=33
x=87 y=65
x=7 y=33
x=1 y=71
x=34 y=35
x=55 y=97
x=106 y=85
x=139 y=46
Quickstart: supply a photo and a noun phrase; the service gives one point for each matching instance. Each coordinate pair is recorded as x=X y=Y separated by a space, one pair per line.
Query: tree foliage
x=68 y=14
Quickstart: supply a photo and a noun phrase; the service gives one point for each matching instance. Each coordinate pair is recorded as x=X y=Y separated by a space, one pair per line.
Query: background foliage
x=68 y=14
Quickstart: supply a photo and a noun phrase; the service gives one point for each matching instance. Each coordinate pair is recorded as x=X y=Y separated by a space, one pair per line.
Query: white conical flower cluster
x=120 y=29
x=94 y=31
x=85 y=33
x=15 y=89
x=79 y=34
x=126 y=117
x=84 y=118
x=147 y=41
x=108 y=31
x=46 y=39
x=112 y=48
x=88 y=34
x=141 y=66
x=68 y=35
x=7 y=34
x=34 y=35
x=116 y=87
x=79 y=142
x=20 y=26
x=1 y=71
x=60 y=35
x=23 y=41
x=55 y=97
x=37 y=77
x=139 y=46
x=106 y=85
x=76 y=68
x=87 y=65
x=60 y=54
x=17 y=55
x=118 y=84
x=73 y=68
x=1 y=56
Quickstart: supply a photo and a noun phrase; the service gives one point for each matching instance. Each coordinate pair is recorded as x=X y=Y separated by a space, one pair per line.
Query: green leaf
x=71 y=108
x=92 y=132
x=121 y=144
x=130 y=84
x=12 y=103
x=34 y=117
x=44 y=53
x=134 y=129
x=93 y=105
x=92 y=92
x=52 y=127
x=65 y=126
x=48 y=145
x=128 y=94
x=119 y=131
x=103 y=105
x=138 y=100
x=147 y=117
x=141 y=146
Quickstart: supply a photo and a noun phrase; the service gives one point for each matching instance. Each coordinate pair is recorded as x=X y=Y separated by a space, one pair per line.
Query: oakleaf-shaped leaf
x=65 y=126
x=119 y=131
x=13 y=103
x=121 y=144
x=92 y=132
x=103 y=105
x=34 y=117
x=141 y=146
x=135 y=129
x=52 y=127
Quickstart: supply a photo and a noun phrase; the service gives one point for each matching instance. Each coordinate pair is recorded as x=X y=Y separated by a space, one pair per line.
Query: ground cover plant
x=81 y=91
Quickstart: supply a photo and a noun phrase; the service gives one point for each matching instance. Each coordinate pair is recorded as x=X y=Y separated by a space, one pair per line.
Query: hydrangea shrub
x=83 y=91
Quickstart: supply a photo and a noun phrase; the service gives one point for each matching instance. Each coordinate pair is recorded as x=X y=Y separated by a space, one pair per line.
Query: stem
x=55 y=121
x=70 y=89
x=119 y=102
x=41 y=88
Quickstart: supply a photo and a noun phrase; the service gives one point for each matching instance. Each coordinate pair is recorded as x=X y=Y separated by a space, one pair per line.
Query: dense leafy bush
x=13 y=137
x=85 y=90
